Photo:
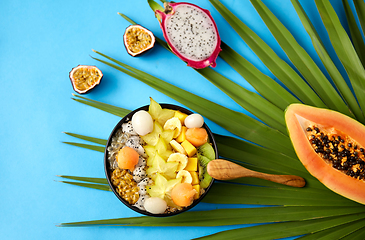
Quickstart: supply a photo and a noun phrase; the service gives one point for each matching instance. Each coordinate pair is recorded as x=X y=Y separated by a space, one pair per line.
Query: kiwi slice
x=205 y=181
x=205 y=154
x=203 y=160
x=206 y=150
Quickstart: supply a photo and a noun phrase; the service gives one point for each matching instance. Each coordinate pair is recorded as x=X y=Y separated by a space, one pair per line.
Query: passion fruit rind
x=138 y=40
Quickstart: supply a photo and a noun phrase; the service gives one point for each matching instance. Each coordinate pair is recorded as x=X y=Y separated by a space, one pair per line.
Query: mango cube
x=192 y=165
x=181 y=137
x=197 y=189
x=189 y=148
x=181 y=116
x=195 y=178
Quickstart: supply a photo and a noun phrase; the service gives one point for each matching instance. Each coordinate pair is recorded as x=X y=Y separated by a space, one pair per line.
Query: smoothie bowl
x=155 y=159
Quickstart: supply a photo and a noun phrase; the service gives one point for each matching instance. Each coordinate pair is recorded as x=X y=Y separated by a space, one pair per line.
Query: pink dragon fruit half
x=191 y=33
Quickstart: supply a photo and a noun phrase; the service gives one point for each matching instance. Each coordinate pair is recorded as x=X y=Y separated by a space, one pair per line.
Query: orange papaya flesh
x=331 y=147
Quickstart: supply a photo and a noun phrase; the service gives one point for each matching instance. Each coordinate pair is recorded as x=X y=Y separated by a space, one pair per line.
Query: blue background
x=40 y=42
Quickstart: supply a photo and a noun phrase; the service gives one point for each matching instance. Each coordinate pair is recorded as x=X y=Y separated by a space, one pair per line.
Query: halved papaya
x=331 y=147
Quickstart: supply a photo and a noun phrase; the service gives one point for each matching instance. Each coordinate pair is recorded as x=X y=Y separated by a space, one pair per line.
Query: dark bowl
x=107 y=165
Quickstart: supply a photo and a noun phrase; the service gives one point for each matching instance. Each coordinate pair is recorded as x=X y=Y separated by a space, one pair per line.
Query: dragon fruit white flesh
x=191 y=33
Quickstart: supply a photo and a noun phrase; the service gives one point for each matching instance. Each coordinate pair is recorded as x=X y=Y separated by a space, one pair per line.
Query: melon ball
x=127 y=158
x=142 y=122
x=196 y=136
x=155 y=205
x=194 y=121
x=183 y=194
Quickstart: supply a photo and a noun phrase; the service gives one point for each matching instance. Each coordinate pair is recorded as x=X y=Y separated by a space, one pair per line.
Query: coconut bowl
x=108 y=171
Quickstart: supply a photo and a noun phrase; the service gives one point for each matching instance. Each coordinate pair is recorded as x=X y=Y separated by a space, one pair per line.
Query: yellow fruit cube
x=181 y=137
x=195 y=177
x=192 y=165
x=197 y=189
x=180 y=116
x=189 y=148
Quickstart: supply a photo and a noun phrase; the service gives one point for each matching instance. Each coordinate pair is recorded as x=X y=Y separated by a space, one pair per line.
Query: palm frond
x=301 y=60
x=355 y=31
x=212 y=218
x=344 y=49
x=283 y=71
x=86 y=138
x=117 y=111
x=287 y=229
x=331 y=68
x=87 y=146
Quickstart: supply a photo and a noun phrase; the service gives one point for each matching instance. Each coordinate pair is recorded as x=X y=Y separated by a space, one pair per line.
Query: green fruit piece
x=165 y=115
x=205 y=181
x=205 y=154
x=162 y=187
x=154 y=109
x=163 y=148
x=168 y=135
x=152 y=137
x=203 y=160
x=158 y=114
x=207 y=150
x=150 y=150
x=159 y=165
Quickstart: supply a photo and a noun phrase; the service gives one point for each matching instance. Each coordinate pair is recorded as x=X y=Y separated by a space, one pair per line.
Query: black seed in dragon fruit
x=134 y=142
x=139 y=173
x=128 y=128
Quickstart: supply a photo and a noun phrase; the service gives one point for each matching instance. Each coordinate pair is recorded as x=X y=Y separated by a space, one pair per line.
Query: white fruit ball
x=142 y=122
x=194 y=121
x=155 y=205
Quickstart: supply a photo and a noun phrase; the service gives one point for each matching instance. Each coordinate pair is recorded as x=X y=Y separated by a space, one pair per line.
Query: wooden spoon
x=226 y=170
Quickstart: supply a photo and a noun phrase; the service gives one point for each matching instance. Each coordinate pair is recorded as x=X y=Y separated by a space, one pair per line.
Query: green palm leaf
x=86 y=179
x=86 y=138
x=337 y=232
x=360 y=9
x=301 y=60
x=252 y=102
x=286 y=229
x=344 y=49
x=230 y=216
x=266 y=86
x=120 y=112
x=328 y=63
x=87 y=146
x=356 y=33
x=273 y=62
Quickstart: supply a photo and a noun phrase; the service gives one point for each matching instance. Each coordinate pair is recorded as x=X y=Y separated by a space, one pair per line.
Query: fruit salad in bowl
x=156 y=157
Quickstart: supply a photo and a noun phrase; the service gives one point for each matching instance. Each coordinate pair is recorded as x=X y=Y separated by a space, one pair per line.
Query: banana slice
x=185 y=175
x=177 y=147
x=173 y=124
x=182 y=159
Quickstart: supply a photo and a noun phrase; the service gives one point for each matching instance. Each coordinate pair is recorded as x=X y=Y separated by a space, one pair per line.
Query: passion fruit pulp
x=138 y=40
x=84 y=78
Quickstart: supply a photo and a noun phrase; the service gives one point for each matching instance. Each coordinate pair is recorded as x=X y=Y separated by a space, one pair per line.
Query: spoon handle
x=226 y=170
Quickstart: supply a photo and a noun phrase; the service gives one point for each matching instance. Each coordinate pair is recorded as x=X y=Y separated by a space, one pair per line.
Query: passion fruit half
x=84 y=78
x=138 y=40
